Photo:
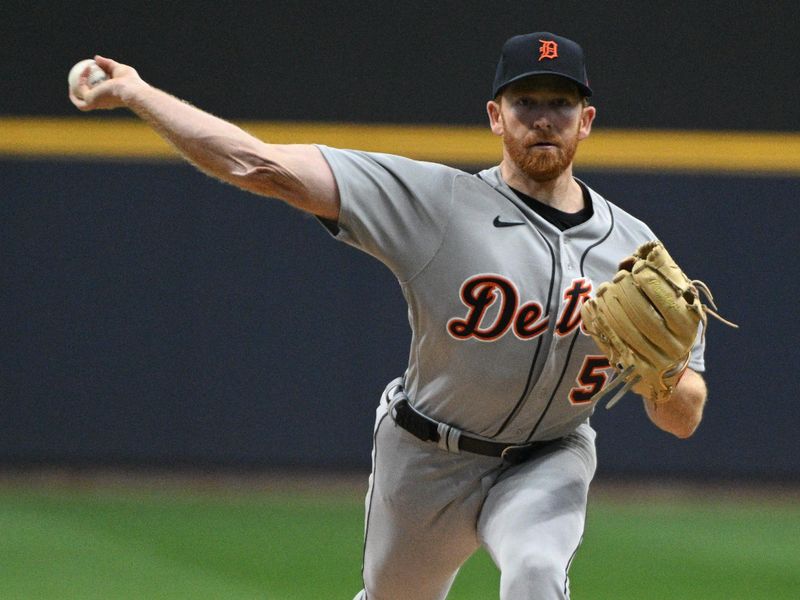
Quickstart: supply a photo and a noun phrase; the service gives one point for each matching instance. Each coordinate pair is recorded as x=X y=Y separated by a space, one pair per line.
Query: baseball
x=96 y=74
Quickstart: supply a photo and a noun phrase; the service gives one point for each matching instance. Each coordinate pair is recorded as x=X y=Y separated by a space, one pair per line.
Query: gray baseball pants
x=428 y=510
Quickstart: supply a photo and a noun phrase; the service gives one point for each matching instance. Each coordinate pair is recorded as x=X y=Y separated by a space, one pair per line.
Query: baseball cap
x=541 y=53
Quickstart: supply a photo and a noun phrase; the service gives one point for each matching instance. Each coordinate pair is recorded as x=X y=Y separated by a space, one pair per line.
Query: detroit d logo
x=548 y=49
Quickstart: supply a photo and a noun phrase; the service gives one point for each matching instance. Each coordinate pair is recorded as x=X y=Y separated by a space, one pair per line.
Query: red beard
x=541 y=164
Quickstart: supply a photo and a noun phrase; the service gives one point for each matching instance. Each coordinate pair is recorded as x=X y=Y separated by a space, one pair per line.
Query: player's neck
x=562 y=193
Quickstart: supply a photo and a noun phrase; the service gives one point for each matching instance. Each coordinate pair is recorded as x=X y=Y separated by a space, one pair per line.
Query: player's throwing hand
x=108 y=94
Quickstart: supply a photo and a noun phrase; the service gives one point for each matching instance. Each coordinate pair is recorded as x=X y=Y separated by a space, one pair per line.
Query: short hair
x=584 y=100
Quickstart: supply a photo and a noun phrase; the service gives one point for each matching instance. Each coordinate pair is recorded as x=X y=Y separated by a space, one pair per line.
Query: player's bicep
x=298 y=174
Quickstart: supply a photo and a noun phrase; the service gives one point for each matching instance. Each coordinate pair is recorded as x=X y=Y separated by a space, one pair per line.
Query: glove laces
x=702 y=287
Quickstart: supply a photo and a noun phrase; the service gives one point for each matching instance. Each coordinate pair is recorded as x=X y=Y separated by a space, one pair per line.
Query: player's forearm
x=297 y=174
x=681 y=415
x=216 y=146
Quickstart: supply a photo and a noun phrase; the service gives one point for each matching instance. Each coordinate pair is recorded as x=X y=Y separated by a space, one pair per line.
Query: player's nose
x=541 y=122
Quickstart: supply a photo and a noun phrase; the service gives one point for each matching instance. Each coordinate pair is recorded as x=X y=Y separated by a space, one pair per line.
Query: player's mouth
x=540 y=143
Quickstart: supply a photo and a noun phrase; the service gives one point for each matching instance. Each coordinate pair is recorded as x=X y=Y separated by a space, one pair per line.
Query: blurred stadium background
x=189 y=373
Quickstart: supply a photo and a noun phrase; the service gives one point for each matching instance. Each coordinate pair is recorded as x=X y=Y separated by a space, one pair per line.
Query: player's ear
x=588 y=113
x=493 y=109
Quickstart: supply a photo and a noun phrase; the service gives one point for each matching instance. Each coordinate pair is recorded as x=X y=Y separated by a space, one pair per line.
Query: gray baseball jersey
x=494 y=291
x=494 y=294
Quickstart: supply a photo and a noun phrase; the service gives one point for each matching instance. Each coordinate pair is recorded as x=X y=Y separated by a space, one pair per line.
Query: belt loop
x=448 y=438
x=393 y=394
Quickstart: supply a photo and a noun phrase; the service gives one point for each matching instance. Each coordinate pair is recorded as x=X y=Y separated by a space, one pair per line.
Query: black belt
x=427 y=430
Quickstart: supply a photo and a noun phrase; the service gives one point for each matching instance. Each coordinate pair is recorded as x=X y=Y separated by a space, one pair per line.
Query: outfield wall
x=713 y=65
x=152 y=316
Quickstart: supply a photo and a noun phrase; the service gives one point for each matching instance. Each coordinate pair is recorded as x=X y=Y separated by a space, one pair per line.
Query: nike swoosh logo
x=498 y=223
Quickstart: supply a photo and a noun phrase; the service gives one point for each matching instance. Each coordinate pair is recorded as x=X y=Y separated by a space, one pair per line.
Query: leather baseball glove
x=645 y=320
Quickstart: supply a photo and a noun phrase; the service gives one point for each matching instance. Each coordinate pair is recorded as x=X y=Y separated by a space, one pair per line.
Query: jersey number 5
x=590 y=380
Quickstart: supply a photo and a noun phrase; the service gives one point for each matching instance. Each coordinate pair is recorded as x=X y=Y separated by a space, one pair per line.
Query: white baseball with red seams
x=96 y=74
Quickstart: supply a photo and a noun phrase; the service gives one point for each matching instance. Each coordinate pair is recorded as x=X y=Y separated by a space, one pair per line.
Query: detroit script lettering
x=527 y=321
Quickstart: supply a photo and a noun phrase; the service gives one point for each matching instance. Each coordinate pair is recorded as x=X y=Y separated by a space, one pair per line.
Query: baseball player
x=484 y=439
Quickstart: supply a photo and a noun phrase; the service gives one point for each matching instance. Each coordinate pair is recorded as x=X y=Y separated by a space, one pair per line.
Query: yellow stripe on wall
x=92 y=137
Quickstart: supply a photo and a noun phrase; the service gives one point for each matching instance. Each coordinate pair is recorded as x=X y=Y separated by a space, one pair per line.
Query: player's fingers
x=78 y=101
x=83 y=81
x=108 y=65
x=84 y=75
x=83 y=90
x=86 y=97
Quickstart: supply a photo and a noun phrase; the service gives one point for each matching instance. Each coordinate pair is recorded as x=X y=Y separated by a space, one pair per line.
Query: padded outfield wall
x=152 y=316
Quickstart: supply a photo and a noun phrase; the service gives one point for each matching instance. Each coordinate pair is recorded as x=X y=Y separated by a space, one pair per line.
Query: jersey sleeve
x=394 y=208
x=697 y=359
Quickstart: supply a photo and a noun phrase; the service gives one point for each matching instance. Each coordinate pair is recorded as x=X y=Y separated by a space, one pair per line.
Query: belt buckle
x=511 y=455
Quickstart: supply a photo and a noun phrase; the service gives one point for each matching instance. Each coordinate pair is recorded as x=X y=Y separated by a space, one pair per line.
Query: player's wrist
x=133 y=92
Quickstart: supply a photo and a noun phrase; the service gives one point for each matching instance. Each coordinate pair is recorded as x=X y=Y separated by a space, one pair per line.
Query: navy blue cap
x=541 y=53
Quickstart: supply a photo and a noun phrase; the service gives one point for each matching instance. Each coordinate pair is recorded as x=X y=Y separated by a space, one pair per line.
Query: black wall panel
x=666 y=64
x=153 y=316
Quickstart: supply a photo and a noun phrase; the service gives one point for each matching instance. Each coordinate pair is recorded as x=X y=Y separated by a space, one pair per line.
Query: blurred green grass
x=179 y=544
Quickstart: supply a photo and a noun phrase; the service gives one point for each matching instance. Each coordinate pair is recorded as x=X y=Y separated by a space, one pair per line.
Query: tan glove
x=645 y=321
